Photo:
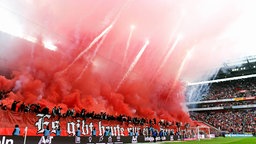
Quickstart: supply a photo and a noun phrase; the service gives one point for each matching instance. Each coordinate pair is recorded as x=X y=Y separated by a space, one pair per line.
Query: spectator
x=14 y=105
x=58 y=131
x=94 y=132
x=78 y=132
x=161 y=134
x=130 y=133
x=16 y=131
x=154 y=135
x=22 y=107
x=106 y=132
x=46 y=132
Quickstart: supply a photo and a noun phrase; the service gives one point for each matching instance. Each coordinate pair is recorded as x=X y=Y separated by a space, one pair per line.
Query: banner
x=239 y=99
x=227 y=107
x=68 y=126
x=36 y=124
x=250 y=98
x=238 y=135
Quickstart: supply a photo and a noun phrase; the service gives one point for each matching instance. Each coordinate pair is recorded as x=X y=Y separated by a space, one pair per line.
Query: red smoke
x=45 y=82
x=54 y=77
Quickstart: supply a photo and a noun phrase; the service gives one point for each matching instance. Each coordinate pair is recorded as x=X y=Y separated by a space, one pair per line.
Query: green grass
x=221 y=140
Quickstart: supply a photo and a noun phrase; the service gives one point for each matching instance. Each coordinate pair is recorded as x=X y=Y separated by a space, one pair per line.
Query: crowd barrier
x=84 y=139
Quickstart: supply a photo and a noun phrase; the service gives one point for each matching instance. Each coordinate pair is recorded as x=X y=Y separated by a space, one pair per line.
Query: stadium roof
x=238 y=67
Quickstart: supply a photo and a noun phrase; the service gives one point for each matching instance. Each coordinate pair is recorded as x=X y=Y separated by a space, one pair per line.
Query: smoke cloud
x=67 y=53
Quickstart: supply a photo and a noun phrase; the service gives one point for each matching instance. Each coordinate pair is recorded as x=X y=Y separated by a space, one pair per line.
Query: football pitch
x=221 y=140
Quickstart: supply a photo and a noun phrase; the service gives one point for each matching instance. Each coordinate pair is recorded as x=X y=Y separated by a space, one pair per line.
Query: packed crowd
x=232 y=89
x=57 y=111
x=223 y=104
x=236 y=121
x=3 y=94
x=231 y=120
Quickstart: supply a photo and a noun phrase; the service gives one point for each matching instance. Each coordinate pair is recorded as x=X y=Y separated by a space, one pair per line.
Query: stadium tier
x=228 y=105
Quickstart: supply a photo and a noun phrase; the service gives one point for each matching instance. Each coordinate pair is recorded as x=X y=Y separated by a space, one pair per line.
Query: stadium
x=127 y=71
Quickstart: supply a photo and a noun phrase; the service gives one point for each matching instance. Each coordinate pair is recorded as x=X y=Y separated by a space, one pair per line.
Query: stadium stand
x=229 y=105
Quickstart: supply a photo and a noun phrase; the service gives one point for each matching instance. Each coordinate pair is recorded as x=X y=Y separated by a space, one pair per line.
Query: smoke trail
x=89 y=47
x=184 y=61
x=169 y=52
x=92 y=57
x=198 y=92
x=134 y=62
x=101 y=42
x=166 y=57
x=173 y=46
x=176 y=80
x=127 y=45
